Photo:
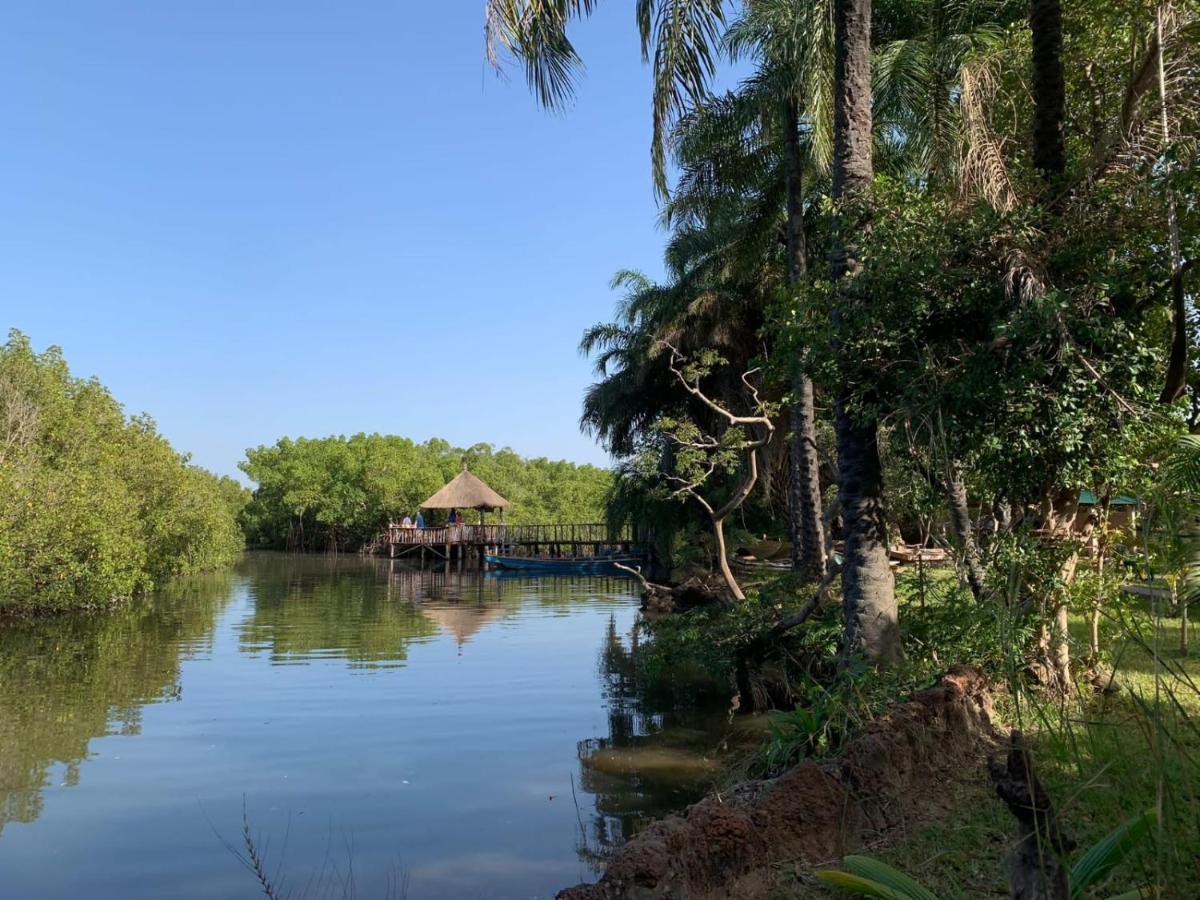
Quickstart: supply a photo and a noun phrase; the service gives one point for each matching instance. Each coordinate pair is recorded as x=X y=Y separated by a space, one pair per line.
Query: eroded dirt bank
x=893 y=772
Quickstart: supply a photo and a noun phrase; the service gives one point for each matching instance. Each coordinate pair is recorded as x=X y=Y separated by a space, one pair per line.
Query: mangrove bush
x=95 y=505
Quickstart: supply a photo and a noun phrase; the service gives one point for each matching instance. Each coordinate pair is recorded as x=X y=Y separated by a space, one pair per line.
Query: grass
x=1105 y=758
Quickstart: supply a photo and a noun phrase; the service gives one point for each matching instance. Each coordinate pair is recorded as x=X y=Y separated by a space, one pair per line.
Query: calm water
x=427 y=727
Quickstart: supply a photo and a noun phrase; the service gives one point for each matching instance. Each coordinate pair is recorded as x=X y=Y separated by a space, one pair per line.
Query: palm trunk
x=1176 y=384
x=808 y=540
x=960 y=524
x=807 y=532
x=1050 y=160
x=1049 y=93
x=868 y=590
x=1094 y=618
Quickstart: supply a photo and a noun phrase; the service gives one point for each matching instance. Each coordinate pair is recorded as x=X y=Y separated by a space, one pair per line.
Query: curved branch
x=694 y=390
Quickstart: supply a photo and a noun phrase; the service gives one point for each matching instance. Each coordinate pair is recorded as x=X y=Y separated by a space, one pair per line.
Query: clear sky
x=256 y=218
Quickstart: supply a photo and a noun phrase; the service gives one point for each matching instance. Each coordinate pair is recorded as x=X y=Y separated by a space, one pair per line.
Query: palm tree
x=683 y=35
x=712 y=300
x=929 y=58
x=868 y=590
x=794 y=48
x=746 y=151
x=926 y=107
x=680 y=38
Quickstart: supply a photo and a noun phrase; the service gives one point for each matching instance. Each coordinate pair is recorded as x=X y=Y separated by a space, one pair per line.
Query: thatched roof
x=461 y=621
x=466 y=492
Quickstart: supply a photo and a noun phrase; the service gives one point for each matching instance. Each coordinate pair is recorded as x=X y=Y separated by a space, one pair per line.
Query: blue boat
x=591 y=565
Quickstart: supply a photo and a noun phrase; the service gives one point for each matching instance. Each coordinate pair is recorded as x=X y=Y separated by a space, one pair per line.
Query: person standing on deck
x=420 y=521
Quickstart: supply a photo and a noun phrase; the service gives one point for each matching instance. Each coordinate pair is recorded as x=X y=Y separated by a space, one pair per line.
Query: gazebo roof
x=461 y=621
x=466 y=492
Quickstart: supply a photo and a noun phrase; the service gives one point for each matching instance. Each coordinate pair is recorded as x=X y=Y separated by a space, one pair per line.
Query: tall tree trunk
x=1176 y=383
x=1049 y=92
x=960 y=525
x=808 y=539
x=868 y=590
x=1050 y=159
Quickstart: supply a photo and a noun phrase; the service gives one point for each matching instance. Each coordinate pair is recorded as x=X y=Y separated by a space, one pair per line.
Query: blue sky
x=267 y=218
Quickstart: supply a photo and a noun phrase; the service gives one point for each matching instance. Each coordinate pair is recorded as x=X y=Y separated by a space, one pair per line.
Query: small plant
x=869 y=877
x=806 y=732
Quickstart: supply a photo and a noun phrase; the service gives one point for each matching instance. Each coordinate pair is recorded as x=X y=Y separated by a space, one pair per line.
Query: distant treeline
x=339 y=493
x=95 y=506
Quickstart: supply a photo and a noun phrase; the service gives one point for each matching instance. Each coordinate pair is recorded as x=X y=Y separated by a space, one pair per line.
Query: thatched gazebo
x=467 y=492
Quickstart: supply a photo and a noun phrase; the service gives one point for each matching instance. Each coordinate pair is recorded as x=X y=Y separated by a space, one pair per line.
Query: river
x=383 y=732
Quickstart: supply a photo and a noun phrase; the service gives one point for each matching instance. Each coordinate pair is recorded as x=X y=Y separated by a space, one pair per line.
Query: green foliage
x=338 y=492
x=872 y=878
x=944 y=624
x=869 y=877
x=1105 y=855
x=807 y=732
x=95 y=506
x=1172 y=529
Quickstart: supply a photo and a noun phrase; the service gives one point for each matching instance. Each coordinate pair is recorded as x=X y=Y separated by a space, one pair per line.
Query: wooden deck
x=447 y=541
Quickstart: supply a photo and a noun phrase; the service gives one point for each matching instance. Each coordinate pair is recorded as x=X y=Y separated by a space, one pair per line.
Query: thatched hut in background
x=467 y=492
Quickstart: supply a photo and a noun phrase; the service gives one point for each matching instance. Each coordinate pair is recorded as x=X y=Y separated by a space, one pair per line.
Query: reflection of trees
x=66 y=681
x=662 y=731
x=371 y=611
x=307 y=607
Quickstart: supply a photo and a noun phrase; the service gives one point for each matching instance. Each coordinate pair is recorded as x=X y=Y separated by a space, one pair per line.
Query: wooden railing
x=500 y=535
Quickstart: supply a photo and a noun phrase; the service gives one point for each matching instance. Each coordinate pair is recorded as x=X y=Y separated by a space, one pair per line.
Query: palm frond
x=681 y=40
x=535 y=33
x=1181 y=473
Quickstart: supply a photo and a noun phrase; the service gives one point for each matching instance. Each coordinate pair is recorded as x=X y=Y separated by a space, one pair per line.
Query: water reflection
x=69 y=680
x=369 y=612
x=662 y=748
x=439 y=715
x=307 y=608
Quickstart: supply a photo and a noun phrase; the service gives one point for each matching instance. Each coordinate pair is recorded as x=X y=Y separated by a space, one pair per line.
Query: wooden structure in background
x=460 y=541
x=552 y=541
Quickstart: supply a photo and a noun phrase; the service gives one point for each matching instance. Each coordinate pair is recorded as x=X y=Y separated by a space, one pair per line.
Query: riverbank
x=913 y=790
x=731 y=844
x=1104 y=753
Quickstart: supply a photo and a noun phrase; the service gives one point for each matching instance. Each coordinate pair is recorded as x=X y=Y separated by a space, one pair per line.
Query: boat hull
x=531 y=565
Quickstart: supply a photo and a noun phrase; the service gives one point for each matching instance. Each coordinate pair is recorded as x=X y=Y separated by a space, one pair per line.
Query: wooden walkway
x=457 y=541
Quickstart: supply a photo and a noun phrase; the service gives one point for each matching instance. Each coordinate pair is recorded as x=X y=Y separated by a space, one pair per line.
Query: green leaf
x=844 y=881
x=1107 y=853
x=874 y=870
x=873 y=878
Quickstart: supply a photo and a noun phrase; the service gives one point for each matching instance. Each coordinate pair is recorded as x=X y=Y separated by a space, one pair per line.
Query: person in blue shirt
x=420 y=520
